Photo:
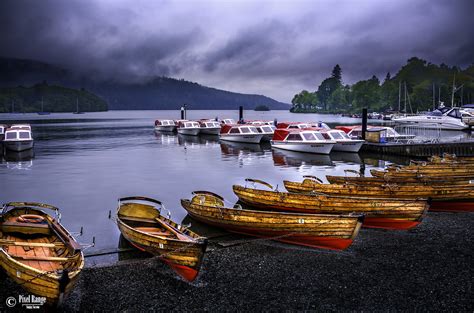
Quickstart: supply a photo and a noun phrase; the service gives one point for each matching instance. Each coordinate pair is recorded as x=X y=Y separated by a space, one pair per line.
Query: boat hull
x=377 y=181
x=189 y=131
x=392 y=209
x=348 y=146
x=210 y=131
x=248 y=138
x=169 y=128
x=335 y=232
x=183 y=255
x=436 y=193
x=18 y=146
x=317 y=148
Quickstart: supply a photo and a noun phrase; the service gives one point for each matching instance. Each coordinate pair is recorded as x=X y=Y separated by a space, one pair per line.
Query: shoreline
x=426 y=268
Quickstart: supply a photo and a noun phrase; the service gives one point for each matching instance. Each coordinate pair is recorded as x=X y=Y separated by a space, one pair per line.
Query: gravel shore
x=428 y=268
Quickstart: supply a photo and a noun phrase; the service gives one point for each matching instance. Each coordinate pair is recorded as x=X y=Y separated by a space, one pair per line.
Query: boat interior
x=33 y=239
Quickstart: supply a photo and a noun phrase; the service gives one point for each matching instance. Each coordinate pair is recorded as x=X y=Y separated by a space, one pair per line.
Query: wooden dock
x=459 y=148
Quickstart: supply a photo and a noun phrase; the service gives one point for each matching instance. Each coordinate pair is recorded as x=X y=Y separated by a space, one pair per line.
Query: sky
x=275 y=48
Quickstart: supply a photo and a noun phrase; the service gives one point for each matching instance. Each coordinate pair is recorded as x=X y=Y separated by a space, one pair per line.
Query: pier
x=459 y=148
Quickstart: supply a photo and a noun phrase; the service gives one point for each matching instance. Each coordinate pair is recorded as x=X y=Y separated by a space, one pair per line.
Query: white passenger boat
x=165 y=125
x=264 y=127
x=390 y=134
x=240 y=133
x=209 y=127
x=17 y=139
x=188 y=128
x=343 y=141
x=302 y=140
x=442 y=118
x=2 y=131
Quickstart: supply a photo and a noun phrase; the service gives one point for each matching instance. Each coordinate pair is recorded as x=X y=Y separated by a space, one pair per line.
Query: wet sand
x=428 y=268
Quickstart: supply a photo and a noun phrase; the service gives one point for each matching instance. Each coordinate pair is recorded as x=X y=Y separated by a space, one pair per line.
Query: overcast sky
x=275 y=48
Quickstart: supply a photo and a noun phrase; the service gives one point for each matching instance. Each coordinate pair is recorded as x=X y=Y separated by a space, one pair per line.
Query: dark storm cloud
x=272 y=47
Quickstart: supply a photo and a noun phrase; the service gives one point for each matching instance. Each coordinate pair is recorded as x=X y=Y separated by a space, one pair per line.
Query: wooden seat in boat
x=155 y=231
x=25 y=228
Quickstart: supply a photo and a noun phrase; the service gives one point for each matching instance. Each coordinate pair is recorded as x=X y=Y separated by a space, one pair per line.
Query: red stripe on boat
x=186 y=272
x=388 y=223
x=452 y=206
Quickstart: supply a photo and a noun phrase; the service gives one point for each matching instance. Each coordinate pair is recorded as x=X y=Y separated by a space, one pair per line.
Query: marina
x=222 y=224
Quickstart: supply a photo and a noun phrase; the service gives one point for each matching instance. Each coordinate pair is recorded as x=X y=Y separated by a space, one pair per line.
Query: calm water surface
x=84 y=163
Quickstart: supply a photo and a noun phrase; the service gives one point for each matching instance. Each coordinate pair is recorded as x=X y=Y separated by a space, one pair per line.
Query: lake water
x=83 y=163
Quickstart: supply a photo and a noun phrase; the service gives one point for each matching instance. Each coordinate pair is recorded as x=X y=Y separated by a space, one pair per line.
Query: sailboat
x=42 y=112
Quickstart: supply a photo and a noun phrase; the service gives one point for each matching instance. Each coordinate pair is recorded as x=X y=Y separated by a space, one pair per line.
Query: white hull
x=169 y=128
x=432 y=123
x=189 y=131
x=348 y=145
x=210 y=131
x=250 y=138
x=308 y=147
x=18 y=146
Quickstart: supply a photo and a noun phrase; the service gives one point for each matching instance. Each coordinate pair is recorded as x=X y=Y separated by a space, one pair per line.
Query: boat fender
x=30 y=218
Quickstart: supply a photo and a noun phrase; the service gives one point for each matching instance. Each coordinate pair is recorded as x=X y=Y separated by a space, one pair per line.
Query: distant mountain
x=159 y=93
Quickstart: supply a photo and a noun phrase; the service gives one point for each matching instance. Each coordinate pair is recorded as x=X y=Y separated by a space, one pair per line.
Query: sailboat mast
x=77 y=104
x=434 y=96
x=405 y=105
x=42 y=109
x=454 y=87
x=399 y=94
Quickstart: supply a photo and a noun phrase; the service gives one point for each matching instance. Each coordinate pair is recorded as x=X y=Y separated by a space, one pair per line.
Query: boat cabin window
x=336 y=135
x=247 y=130
x=212 y=124
x=234 y=131
x=191 y=124
x=267 y=129
x=10 y=135
x=24 y=135
x=309 y=136
x=167 y=123
x=301 y=126
x=294 y=137
x=455 y=113
x=326 y=136
x=319 y=135
x=293 y=126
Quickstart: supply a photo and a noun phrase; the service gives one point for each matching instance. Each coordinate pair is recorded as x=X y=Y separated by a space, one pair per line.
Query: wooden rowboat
x=433 y=173
x=445 y=198
x=379 y=212
x=422 y=180
x=140 y=221
x=37 y=252
x=327 y=231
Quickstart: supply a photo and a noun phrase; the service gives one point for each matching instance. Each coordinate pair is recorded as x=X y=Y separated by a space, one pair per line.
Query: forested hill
x=45 y=98
x=159 y=93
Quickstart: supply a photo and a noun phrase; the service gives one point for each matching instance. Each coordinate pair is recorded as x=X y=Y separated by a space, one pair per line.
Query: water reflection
x=285 y=158
x=241 y=149
x=19 y=160
x=347 y=157
x=197 y=140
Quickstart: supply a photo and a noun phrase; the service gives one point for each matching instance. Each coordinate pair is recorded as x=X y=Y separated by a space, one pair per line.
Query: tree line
x=417 y=86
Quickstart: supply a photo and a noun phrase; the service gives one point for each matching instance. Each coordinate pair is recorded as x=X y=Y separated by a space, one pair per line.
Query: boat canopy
x=293 y=125
x=238 y=129
x=296 y=134
x=17 y=134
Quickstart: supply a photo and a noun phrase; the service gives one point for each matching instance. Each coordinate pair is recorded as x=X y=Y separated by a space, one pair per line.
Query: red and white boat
x=302 y=140
x=240 y=133
x=209 y=127
x=293 y=125
x=165 y=125
x=343 y=141
x=186 y=127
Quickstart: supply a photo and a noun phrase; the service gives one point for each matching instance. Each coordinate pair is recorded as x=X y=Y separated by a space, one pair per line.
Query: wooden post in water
x=182 y=112
x=364 y=122
x=241 y=114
